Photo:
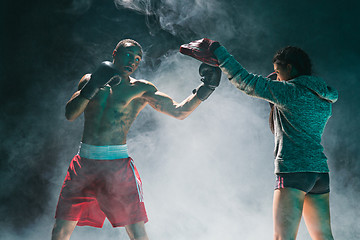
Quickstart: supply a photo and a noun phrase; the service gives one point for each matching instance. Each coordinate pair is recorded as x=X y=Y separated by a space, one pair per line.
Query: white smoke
x=79 y=6
x=177 y=17
x=206 y=164
x=211 y=175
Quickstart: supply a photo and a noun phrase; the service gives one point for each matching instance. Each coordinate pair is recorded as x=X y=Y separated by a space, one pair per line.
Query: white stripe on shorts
x=138 y=183
x=109 y=152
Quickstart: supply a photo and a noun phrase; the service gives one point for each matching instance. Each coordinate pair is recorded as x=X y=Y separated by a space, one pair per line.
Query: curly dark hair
x=299 y=59
x=295 y=56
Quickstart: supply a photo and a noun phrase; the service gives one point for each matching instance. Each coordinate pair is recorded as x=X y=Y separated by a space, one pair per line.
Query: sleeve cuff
x=228 y=63
x=221 y=54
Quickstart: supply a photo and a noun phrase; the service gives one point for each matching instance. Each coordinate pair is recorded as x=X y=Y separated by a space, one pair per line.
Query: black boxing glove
x=211 y=79
x=99 y=78
x=202 y=50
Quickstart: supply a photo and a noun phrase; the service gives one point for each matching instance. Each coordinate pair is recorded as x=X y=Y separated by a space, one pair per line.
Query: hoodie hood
x=318 y=86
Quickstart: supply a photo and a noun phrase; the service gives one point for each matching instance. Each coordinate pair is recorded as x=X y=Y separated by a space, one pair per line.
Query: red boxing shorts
x=95 y=189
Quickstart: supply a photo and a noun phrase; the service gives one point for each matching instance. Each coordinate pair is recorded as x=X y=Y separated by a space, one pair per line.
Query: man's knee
x=63 y=229
x=137 y=231
x=140 y=234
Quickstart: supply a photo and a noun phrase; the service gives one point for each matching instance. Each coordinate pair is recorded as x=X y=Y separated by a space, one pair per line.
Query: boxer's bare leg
x=63 y=229
x=136 y=231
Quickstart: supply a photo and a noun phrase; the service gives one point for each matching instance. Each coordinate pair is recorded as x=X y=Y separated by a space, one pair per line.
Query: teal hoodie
x=302 y=107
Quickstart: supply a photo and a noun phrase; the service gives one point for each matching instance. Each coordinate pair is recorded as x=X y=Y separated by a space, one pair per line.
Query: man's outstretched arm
x=165 y=104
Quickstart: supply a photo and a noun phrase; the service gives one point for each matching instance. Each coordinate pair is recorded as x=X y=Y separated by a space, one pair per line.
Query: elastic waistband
x=109 y=152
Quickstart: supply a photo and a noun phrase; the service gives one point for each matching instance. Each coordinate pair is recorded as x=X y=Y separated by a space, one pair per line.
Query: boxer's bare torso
x=109 y=115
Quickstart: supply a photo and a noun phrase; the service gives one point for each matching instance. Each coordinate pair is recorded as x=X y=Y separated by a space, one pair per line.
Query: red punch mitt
x=202 y=50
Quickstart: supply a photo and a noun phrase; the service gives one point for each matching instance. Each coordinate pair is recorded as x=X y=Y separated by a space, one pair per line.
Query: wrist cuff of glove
x=203 y=92
x=89 y=91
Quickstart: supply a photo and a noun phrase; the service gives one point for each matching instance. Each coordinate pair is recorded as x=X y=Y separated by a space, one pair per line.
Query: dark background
x=46 y=47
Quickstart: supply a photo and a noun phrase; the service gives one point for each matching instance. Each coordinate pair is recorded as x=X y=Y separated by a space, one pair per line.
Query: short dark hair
x=295 y=56
x=123 y=42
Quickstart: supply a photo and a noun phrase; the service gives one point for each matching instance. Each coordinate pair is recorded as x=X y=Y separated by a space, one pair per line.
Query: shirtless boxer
x=102 y=180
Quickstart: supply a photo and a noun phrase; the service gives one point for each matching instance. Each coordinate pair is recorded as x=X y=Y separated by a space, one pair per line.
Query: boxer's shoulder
x=143 y=84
